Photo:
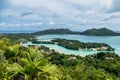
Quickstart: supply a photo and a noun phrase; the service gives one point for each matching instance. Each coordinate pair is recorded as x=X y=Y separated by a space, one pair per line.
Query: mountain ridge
x=91 y=32
x=100 y=32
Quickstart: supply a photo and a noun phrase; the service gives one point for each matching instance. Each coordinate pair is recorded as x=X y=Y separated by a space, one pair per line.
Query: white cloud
x=2 y=24
x=21 y=25
x=115 y=7
x=107 y=3
x=51 y=5
x=65 y=8
x=9 y=13
x=82 y=2
x=51 y=22
x=33 y=24
x=75 y=12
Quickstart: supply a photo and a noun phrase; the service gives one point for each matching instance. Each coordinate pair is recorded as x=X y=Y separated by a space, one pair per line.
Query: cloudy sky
x=73 y=14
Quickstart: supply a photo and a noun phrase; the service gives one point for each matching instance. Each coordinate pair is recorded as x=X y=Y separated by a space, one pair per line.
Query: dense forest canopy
x=76 y=45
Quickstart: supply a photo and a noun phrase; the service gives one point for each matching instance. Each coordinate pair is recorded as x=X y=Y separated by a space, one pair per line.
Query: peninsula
x=77 y=45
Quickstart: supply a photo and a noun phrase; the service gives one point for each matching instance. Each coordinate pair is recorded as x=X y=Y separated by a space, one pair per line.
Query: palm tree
x=3 y=70
x=35 y=67
x=4 y=43
x=13 y=53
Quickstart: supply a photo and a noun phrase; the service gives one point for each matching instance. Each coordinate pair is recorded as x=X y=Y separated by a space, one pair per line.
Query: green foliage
x=100 y=32
x=62 y=59
x=44 y=48
x=83 y=72
x=20 y=63
x=12 y=53
x=77 y=45
x=3 y=70
x=109 y=62
x=94 y=32
x=54 y=31
x=34 y=66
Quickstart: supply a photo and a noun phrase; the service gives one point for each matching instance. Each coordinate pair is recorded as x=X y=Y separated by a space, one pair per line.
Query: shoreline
x=63 y=50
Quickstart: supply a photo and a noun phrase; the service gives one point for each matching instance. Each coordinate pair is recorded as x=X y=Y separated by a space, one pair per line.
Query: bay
x=113 y=41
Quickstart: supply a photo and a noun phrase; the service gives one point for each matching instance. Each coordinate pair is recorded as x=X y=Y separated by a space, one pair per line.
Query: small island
x=77 y=45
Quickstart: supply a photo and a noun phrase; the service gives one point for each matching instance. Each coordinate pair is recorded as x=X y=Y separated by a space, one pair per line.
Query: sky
x=76 y=15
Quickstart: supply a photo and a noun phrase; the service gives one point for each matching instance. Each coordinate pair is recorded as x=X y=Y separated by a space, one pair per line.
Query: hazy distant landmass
x=94 y=32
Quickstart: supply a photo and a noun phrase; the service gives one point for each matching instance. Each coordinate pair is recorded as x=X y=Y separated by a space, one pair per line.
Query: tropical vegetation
x=30 y=63
x=77 y=45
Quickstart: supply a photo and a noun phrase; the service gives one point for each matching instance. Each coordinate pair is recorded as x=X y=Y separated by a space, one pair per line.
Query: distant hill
x=100 y=32
x=56 y=31
x=94 y=32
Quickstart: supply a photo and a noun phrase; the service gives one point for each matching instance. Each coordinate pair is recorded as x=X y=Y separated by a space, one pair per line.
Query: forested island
x=100 y=32
x=40 y=63
x=77 y=45
x=92 y=32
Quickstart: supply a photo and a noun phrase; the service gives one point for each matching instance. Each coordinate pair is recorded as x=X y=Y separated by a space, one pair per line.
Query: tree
x=4 y=43
x=35 y=67
x=13 y=53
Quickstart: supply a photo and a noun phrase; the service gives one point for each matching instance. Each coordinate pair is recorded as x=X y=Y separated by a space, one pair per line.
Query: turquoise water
x=113 y=41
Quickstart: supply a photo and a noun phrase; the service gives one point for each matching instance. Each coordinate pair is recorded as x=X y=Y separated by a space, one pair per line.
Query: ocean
x=16 y=31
